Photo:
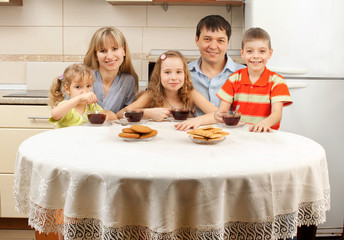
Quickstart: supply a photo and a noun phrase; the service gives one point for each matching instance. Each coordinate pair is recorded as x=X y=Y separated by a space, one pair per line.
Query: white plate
x=137 y=139
x=207 y=142
x=240 y=124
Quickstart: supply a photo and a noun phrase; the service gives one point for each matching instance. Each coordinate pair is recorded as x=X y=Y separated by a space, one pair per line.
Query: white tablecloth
x=250 y=186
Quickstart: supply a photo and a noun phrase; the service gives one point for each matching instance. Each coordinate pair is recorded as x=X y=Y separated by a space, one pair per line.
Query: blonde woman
x=116 y=81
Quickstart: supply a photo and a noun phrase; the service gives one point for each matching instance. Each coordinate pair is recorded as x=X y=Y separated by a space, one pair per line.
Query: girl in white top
x=115 y=79
x=170 y=87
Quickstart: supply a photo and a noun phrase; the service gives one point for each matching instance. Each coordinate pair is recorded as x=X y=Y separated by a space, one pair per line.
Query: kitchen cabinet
x=179 y=2
x=17 y=123
x=11 y=3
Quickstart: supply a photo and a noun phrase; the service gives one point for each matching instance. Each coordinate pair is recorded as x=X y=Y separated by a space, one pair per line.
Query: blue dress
x=121 y=92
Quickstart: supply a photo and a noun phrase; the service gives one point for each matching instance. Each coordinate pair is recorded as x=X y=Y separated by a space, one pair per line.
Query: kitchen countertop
x=20 y=100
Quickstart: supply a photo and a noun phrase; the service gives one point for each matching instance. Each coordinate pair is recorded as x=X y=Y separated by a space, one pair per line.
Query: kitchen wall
x=39 y=39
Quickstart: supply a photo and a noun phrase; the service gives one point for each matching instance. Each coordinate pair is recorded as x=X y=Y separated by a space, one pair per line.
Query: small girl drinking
x=170 y=87
x=77 y=81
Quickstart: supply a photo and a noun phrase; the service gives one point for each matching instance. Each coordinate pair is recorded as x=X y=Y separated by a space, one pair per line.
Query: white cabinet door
x=10 y=139
x=25 y=116
x=7 y=202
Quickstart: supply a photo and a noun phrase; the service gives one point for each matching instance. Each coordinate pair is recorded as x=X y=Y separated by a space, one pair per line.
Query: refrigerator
x=308 y=51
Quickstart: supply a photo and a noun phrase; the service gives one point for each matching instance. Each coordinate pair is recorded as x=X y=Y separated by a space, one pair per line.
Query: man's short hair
x=214 y=23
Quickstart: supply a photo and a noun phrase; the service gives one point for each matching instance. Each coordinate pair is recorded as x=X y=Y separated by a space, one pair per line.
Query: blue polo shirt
x=209 y=87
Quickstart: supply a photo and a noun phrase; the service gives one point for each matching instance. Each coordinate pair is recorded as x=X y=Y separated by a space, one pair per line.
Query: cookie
x=223 y=133
x=208 y=133
x=128 y=130
x=215 y=135
x=207 y=127
x=201 y=132
x=141 y=129
x=150 y=134
x=129 y=135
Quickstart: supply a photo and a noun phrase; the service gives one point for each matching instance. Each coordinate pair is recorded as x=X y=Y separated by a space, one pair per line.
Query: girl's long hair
x=155 y=88
x=98 y=42
x=74 y=72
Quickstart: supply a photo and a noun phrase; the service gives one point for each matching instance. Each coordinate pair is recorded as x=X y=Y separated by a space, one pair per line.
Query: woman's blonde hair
x=155 y=88
x=75 y=72
x=98 y=42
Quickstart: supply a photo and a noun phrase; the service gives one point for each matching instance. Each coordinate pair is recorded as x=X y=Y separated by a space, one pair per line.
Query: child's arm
x=62 y=109
x=271 y=120
x=110 y=115
x=207 y=107
x=157 y=114
x=224 y=107
x=141 y=102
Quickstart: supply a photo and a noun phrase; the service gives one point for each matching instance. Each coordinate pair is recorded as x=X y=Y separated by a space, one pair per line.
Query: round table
x=91 y=184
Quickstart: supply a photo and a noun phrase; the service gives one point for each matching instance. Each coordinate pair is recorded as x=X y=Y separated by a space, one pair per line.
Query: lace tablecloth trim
x=281 y=227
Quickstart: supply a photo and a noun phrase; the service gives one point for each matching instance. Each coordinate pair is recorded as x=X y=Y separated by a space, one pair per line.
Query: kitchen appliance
x=308 y=41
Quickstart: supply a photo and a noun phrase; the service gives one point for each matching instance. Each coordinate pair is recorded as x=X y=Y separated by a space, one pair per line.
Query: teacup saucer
x=99 y=125
x=143 y=121
x=240 y=124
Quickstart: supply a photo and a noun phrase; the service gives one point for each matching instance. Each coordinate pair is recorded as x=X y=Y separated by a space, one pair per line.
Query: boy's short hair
x=214 y=23
x=255 y=34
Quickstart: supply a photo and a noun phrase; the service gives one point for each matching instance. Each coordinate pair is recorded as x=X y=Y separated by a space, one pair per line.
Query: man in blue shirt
x=213 y=68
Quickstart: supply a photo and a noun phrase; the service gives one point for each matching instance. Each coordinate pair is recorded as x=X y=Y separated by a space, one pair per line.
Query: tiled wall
x=40 y=38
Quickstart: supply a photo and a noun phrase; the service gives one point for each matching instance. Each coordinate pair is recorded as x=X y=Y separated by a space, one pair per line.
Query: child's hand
x=187 y=124
x=157 y=114
x=88 y=98
x=260 y=127
x=218 y=116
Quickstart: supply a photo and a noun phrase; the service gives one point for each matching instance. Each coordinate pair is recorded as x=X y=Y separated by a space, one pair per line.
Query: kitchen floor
x=17 y=235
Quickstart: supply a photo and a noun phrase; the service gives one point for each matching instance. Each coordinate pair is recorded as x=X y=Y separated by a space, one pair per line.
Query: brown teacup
x=96 y=118
x=230 y=119
x=133 y=115
x=180 y=113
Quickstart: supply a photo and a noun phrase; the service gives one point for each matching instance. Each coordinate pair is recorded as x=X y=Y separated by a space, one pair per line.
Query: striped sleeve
x=280 y=91
x=226 y=92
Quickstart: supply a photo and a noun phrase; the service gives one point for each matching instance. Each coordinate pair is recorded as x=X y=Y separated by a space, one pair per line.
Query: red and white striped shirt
x=255 y=100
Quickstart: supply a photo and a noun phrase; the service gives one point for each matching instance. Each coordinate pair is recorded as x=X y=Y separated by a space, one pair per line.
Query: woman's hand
x=157 y=114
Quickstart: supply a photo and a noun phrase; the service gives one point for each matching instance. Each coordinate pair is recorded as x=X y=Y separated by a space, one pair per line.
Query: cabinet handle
x=34 y=117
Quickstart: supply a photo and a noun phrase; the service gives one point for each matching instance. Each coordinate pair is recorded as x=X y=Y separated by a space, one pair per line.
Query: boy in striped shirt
x=260 y=92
